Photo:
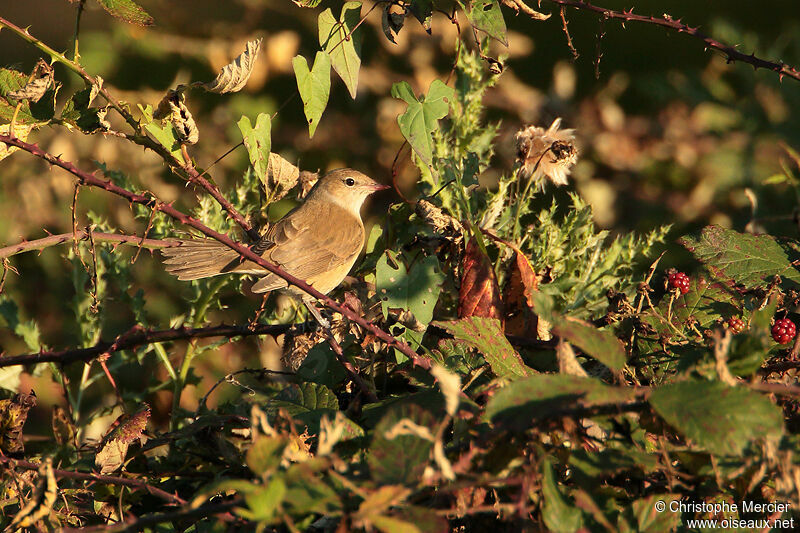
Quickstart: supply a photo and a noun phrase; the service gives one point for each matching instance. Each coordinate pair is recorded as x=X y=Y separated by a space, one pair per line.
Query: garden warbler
x=318 y=241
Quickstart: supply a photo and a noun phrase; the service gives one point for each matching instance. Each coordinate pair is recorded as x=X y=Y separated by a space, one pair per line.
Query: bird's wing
x=306 y=248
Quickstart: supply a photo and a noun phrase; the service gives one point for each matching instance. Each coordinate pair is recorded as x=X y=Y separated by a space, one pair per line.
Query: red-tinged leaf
x=518 y=298
x=114 y=447
x=479 y=294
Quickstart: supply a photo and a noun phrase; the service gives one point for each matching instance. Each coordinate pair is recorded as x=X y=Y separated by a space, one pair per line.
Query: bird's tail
x=203 y=258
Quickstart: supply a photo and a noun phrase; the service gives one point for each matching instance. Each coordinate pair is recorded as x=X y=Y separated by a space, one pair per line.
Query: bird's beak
x=375 y=187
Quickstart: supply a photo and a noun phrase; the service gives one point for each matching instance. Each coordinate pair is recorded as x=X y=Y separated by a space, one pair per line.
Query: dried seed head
x=547 y=153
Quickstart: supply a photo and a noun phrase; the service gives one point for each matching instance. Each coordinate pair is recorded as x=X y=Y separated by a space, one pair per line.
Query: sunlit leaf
x=342 y=42
x=258 y=141
x=127 y=10
x=314 y=87
x=235 y=74
x=600 y=344
x=421 y=117
x=478 y=293
x=485 y=15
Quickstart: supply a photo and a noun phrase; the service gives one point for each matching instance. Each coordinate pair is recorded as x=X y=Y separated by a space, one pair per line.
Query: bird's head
x=345 y=186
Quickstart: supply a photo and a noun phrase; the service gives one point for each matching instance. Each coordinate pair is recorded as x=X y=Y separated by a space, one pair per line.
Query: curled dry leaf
x=13 y=414
x=21 y=132
x=442 y=223
x=450 y=385
x=173 y=105
x=479 y=294
x=281 y=177
x=392 y=21
x=41 y=80
x=518 y=297
x=114 y=447
x=549 y=153
x=234 y=75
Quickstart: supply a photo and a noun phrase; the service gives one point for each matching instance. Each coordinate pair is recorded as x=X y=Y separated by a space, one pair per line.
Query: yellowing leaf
x=128 y=11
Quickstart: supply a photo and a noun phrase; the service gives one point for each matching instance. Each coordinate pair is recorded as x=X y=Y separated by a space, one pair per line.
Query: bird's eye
x=349 y=182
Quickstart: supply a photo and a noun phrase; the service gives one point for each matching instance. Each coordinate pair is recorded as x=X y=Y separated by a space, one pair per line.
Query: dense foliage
x=496 y=359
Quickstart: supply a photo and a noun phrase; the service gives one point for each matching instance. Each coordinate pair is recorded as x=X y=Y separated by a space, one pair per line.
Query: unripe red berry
x=735 y=324
x=783 y=331
x=680 y=281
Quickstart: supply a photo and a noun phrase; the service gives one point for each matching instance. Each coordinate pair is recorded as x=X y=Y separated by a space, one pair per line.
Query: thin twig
x=55 y=240
x=564 y=26
x=97 y=478
x=138 y=336
x=666 y=21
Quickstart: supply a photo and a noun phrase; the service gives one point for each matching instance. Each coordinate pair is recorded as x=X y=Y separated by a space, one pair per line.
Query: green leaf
x=77 y=113
x=309 y=396
x=558 y=513
x=421 y=117
x=485 y=15
x=265 y=455
x=34 y=114
x=264 y=501
x=258 y=142
x=742 y=258
x=720 y=418
x=602 y=345
x=342 y=43
x=543 y=395
x=403 y=458
x=314 y=87
x=485 y=335
x=127 y=10
x=416 y=291
x=646 y=519
x=321 y=366
x=307 y=3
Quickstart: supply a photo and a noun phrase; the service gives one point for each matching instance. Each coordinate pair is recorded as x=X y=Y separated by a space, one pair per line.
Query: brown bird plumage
x=317 y=241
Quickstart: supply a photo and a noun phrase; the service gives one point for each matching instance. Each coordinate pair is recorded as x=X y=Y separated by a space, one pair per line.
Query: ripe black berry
x=783 y=331
x=735 y=324
x=680 y=281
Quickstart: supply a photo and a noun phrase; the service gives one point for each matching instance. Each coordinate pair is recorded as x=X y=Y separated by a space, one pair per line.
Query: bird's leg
x=324 y=322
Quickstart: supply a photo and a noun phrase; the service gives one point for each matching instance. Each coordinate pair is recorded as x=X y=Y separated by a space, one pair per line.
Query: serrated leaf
x=258 y=141
x=307 y=3
x=717 y=417
x=314 y=87
x=421 y=117
x=342 y=42
x=486 y=336
x=127 y=10
x=235 y=74
x=486 y=16
x=602 y=345
x=543 y=395
x=743 y=258
x=309 y=396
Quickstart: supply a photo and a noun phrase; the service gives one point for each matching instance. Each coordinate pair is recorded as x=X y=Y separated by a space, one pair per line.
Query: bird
x=318 y=241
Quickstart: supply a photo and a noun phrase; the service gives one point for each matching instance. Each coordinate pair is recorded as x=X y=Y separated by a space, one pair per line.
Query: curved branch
x=138 y=336
x=55 y=240
x=666 y=21
x=97 y=478
x=85 y=178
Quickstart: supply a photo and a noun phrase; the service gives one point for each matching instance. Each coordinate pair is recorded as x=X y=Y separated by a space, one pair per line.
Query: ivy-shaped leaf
x=422 y=116
x=127 y=10
x=258 y=141
x=314 y=87
x=485 y=15
x=743 y=258
x=342 y=42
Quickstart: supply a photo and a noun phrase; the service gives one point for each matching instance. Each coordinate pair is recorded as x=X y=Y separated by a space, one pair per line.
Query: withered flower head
x=546 y=153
